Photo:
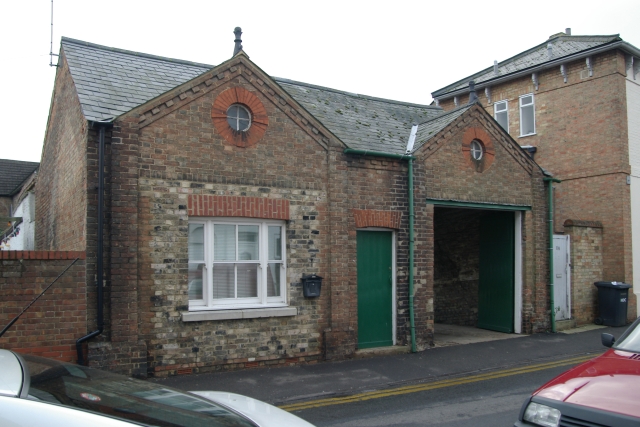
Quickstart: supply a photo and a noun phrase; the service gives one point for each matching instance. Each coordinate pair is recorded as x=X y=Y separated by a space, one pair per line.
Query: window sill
x=247 y=313
x=529 y=134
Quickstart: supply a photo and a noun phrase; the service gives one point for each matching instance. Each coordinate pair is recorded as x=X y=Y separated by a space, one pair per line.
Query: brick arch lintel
x=210 y=205
x=376 y=218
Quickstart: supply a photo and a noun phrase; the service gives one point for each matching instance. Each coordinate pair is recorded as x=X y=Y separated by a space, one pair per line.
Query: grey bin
x=612 y=303
x=311 y=284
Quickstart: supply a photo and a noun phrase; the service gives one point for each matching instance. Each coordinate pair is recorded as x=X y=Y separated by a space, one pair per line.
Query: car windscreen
x=126 y=398
x=630 y=340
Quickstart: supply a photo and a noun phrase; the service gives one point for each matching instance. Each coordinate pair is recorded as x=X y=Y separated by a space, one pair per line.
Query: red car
x=602 y=392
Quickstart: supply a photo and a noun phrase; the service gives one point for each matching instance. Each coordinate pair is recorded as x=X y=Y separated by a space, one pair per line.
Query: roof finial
x=473 y=97
x=238 y=40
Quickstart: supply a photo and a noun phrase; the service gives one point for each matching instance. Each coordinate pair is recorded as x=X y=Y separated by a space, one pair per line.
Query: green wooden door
x=496 y=289
x=375 y=278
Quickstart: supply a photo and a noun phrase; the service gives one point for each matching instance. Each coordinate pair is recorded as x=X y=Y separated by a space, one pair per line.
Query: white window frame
x=505 y=111
x=262 y=300
x=532 y=105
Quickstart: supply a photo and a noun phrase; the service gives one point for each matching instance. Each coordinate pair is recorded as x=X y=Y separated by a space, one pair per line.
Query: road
x=494 y=400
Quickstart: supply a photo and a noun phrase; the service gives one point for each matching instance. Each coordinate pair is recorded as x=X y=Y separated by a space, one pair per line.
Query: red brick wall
x=165 y=157
x=512 y=180
x=61 y=187
x=52 y=325
x=581 y=138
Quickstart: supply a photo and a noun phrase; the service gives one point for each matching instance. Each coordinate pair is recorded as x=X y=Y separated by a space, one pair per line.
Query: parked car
x=604 y=391
x=36 y=391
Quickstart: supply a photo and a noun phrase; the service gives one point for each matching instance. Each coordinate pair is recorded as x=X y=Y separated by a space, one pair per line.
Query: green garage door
x=496 y=289
x=375 y=286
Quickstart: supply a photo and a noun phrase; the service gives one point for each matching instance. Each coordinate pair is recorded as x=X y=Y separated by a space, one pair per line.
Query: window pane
x=275 y=243
x=527 y=120
x=502 y=106
x=224 y=242
x=196 y=275
x=196 y=242
x=247 y=280
x=248 y=242
x=242 y=113
x=525 y=100
x=233 y=122
x=273 y=279
x=503 y=120
x=223 y=281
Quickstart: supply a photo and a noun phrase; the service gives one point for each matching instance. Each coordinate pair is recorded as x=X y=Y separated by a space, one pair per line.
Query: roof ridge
x=133 y=53
x=352 y=94
x=446 y=113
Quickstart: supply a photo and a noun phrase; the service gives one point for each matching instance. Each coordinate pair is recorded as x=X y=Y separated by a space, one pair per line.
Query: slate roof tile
x=562 y=46
x=13 y=173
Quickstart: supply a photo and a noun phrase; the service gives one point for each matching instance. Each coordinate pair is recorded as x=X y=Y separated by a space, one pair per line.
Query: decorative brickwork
x=375 y=218
x=259 y=118
x=479 y=134
x=237 y=206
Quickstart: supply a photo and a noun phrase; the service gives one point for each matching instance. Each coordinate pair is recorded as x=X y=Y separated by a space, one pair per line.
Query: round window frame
x=237 y=119
x=250 y=101
x=476 y=146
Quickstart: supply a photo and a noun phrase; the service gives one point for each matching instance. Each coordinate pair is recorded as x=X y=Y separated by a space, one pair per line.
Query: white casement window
x=501 y=114
x=236 y=263
x=527 y=115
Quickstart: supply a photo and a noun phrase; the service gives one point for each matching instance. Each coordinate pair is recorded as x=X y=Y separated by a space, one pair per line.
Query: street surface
x=478 y=384
x=491 y=402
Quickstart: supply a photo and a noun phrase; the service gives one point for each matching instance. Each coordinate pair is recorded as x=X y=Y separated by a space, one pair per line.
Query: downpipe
x=99 y=248
x=552 y=301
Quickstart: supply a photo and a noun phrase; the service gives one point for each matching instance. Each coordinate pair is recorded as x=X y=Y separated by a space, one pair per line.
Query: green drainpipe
x=411 y=234
x=552 y=301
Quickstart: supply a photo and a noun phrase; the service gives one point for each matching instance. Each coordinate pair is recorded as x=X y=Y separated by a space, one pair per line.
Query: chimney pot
x=238 y=41
x=567 y=31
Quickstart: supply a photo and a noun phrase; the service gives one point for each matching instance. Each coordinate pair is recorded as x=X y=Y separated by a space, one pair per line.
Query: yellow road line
x=359 y=397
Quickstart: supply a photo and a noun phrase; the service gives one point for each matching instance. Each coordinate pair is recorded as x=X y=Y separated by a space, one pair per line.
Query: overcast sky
x=400 y=50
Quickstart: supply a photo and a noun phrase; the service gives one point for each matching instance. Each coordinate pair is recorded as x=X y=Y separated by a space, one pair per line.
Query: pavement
x=459 y=352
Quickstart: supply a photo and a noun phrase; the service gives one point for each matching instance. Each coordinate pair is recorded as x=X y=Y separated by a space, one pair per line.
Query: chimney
x=238 y=41
x=495 y=67
x=473 y=97
x=567 y=31
x=550 y=50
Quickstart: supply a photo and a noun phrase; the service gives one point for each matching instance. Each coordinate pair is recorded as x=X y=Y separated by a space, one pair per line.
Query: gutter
x=552 y=301
x=622 y=45
x=100 y=245
x=410 y=160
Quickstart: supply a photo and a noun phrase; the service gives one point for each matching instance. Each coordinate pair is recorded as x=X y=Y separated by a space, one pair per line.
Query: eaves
x=622 y=45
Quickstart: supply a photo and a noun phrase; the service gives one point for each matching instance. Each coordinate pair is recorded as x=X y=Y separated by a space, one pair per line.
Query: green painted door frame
x=375 y=288
x=497 y=279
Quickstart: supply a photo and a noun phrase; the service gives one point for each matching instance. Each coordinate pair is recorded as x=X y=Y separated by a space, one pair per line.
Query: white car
x=36 y=391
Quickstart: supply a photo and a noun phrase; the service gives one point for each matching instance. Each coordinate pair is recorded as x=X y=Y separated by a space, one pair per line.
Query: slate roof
x=563 y=46
x=112 y=81
x=13 y=173
x=429 y=129
x=361 y=122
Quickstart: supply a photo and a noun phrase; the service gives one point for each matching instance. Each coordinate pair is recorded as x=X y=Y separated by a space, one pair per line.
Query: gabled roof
x=361 y=122
x=13 y=173
x=564 y=48
x=111 y=82
x=429 y=129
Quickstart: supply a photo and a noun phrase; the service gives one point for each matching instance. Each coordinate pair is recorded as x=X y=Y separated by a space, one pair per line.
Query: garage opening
x=475 y=268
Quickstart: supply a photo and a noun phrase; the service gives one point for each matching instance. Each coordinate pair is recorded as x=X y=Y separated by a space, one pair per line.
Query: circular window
x=239 y=118
x=476 y=149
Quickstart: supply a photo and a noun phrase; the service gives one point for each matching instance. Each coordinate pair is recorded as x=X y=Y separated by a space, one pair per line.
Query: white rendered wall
x=25 y=240
x=633 y=118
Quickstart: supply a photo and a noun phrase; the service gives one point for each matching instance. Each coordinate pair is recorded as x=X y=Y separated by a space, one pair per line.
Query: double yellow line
x=432 y=385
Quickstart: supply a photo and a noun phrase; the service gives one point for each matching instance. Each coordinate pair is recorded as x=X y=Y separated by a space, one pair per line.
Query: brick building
x=575 y=102
x=223 y=187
